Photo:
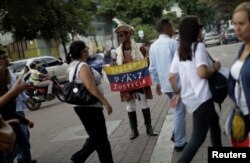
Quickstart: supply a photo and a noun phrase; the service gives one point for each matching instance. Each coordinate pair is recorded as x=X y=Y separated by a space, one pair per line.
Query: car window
x=51 y=62
x=230 y=31
x=211 y=34
x=17 y=66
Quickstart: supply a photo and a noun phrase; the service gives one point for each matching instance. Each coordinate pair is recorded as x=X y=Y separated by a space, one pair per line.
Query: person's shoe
x=32 y=161
x=172 y=138
x=180 y=148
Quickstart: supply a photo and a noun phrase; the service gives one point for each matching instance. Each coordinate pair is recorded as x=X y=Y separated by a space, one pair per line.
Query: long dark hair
x=4 y=80
x=75 y=50
x=189 y=29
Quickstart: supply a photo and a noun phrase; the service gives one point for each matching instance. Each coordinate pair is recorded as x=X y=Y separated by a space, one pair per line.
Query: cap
x=123 y=27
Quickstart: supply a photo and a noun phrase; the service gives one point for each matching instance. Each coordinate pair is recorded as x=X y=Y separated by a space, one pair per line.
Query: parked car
x=52 y=65
x=212 y=38
x=96 y=61
x=229 y=35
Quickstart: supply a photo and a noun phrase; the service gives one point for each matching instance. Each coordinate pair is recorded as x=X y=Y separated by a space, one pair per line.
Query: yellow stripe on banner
x=127 y=67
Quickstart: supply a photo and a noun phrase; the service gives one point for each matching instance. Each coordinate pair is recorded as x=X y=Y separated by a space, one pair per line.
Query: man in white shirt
x=161 y=54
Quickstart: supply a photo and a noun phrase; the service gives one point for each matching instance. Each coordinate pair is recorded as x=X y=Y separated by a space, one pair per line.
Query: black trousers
x=93 y=120
x=204 y=118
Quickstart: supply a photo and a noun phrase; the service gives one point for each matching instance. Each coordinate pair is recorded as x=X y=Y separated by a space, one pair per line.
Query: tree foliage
x=142 y=14
x=45 y=18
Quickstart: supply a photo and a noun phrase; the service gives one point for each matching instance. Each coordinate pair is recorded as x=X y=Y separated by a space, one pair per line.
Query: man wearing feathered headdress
x=127 y=52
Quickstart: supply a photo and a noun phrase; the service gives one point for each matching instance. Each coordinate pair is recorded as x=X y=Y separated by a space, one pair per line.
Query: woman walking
x=192 y=63
x=91 y=116
x=239 y=77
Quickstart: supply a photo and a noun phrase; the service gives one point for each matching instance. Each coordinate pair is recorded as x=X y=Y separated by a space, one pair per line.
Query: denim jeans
x=18 y=149
x=23 y=142
x=204 y=117
x=179 y=125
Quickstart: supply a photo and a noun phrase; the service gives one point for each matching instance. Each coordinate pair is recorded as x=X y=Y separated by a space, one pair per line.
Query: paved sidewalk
x=58 y=134
x=164 y=153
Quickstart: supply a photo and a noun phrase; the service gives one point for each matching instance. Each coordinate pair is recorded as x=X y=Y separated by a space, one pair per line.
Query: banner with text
x=129 y=76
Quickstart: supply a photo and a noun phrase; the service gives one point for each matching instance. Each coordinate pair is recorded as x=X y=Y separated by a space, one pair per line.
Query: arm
x=202 y=61
x=14 y=91
x=88 y=80
x=204 y=72
x=153 y=71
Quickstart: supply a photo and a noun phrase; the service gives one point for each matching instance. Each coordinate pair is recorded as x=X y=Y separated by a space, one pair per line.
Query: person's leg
x=131 y=105
x=215 y=131
x=48 y=84
x=26 y=132
x=146 y=115
x=201 y=122
x=23 y=142
x=94 y=123
x=179 y=124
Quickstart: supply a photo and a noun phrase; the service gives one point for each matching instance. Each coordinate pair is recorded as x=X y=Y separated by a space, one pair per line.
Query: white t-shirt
x=96 y=75
x=238 y=91
x=194 y=90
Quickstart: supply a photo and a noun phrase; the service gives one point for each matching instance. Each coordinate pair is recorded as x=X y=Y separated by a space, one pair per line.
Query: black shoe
x=172 y=138
x=180 y=148
x=32 y=161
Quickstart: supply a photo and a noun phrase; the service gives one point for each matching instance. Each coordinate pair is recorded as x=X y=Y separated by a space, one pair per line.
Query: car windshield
x=17 y=66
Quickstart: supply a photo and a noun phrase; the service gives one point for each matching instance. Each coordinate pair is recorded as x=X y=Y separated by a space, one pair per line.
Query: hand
x=31 y=124
x=108 y=107
x=217 y=65
x=106 y=65
x=158 y=89
x=174 y=101
x=19 y=86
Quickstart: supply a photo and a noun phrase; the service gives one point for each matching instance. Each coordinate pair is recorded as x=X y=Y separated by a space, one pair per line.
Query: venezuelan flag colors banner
x=129 y=76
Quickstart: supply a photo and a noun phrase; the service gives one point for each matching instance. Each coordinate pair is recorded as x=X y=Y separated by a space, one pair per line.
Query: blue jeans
x=23 y=142
x=25 y=129
x=204 y=118
x=179 y=125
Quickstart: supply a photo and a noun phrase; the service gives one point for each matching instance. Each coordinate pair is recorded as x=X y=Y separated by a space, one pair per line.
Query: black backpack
x=218 y=84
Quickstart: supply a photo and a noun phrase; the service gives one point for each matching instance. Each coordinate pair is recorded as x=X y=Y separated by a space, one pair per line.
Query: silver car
x=52 y=65
x=212 y=38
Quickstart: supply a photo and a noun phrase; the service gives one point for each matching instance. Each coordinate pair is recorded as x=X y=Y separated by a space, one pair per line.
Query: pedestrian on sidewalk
x=91 y=116
x=239 y=78
x=194 y=67
x=127 y=52
x=161 y=54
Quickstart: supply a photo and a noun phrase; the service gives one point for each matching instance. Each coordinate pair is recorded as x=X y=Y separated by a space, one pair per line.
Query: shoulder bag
x=77 y=93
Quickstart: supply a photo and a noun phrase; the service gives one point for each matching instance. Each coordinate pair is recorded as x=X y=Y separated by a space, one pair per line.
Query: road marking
x=78 y=132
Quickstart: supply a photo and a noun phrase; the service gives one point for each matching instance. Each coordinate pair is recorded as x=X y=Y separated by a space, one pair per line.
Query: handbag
x=218 y=84
x=237 y=127
x=77 y=93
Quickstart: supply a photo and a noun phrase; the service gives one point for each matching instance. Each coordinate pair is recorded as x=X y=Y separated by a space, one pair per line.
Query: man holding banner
x=131 y=77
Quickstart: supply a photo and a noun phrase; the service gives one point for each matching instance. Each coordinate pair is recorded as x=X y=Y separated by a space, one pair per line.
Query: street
x=58 y=132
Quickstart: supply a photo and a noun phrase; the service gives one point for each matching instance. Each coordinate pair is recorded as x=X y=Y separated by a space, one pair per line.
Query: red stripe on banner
x=128 y=86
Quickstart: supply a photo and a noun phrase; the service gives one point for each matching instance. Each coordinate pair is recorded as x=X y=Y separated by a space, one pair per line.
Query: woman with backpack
x=91 y=116
x=192 y=63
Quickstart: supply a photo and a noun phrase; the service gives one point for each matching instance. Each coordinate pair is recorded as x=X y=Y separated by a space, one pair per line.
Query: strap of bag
x=211 y=57
x=74 y=77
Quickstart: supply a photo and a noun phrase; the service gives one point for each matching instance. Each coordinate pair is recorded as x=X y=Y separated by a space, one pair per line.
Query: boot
x=147 y=120
x=133 y=125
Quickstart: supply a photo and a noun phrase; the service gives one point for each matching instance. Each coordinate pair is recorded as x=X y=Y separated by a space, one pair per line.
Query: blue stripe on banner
x=128 y=77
